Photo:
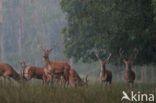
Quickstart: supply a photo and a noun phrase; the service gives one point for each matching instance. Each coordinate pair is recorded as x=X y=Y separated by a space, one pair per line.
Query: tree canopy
x=106 y=26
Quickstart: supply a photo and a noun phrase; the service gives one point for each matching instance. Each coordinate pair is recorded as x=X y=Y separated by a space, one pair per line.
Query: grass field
x=35 y=92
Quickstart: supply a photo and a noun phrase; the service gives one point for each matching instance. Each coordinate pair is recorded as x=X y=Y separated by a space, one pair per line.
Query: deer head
x=46 y=52
x=86 y=79
x=23 y=65
x=124 y=57
x=105 y=61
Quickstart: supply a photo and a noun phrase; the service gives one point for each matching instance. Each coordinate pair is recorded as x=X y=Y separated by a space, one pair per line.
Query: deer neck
x=46 y=62
x=16 y=76
x=128 y=66
x=103 y=68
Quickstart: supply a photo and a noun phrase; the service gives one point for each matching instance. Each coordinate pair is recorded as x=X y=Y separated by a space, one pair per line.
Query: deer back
x=7 y=70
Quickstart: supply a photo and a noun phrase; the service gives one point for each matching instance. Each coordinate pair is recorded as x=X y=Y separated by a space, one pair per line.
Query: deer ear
x=42 y=51
x=28 y=64
x=50 y=50
x=19 y=61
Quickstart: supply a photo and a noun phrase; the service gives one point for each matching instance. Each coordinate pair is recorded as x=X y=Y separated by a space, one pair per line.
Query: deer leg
x=8 y=78
x=66 y=76
x=61 y=80
x=4 y=79
x=105 y=83
x=52 y=79
x=101 y=82
x=43 y=80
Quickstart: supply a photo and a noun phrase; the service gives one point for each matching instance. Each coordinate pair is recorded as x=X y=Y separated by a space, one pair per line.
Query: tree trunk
x=1 y=32
x=21 y=29
x=36 y=21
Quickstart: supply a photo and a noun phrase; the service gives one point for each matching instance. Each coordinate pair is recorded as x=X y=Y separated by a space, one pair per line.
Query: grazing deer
x=34 y=72
x=129 y=74
x=105 y=74
x=75 y=80
x=8 y=72
x=23 y=65
x=54 y=67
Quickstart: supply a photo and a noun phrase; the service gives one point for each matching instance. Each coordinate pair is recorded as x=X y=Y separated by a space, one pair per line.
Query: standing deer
x=55 y=67
x=8 y=72
x=105 y=74
x=34 y=72
x=129 y=74
x=75 y=80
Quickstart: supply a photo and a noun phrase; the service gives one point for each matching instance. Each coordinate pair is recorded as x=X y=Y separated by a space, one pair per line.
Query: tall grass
x=35 y=92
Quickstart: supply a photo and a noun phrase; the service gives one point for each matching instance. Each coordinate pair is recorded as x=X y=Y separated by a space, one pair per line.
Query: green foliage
x=108 y=26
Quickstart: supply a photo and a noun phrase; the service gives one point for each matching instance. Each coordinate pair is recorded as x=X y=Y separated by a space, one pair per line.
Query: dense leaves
x=106 y=26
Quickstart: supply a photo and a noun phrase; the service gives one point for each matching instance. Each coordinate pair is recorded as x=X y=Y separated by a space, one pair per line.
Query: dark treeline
x=105 y=27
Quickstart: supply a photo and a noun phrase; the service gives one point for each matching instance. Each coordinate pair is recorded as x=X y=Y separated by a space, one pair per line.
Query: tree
x=108 y=26
x=1 y=32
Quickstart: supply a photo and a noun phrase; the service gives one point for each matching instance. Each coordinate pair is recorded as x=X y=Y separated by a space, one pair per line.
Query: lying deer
x=129 y=74
x=75 y=80
x=8 y=72
x=55 y=67
x=34 y=72
x=105 y=74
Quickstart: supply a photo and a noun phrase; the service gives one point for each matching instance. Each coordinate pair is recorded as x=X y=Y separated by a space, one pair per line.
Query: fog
x=25 y=24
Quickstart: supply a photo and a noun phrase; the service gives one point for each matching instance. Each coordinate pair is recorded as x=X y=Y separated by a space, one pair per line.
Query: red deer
x=55 y=67
x=8 y=72
x=75 y=80
x=129 y=74
x=105 y=74
x=34 y=72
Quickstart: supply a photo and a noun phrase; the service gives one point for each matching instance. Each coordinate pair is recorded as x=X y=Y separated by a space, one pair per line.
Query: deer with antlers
x=129 y=74
x=105 y=74
x=58 y=69
x=33 y=72
x=8 y=72
x=75 y=80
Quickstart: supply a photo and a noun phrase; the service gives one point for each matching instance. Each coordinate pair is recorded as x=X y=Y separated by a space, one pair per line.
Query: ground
x=35 y=92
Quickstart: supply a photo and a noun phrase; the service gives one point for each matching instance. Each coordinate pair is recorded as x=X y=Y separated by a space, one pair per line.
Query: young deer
x=8 y=72
x=105 y=74
x=33 y=72
x=129 y=74
x=54 y=67
x=75 y=80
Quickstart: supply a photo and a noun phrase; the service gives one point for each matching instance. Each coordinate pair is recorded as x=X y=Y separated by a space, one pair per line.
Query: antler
x=41 y=47
x=86 y=77
x=96 y=54
x=121 y=53
x=54 y=45
x=110 y=54
x=136 y=51
x=22 y=64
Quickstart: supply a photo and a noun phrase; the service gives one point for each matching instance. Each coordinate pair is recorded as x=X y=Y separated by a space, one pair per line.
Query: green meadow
x=35 y=92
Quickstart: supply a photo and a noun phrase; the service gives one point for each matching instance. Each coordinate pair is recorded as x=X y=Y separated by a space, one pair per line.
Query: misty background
x=27 y=23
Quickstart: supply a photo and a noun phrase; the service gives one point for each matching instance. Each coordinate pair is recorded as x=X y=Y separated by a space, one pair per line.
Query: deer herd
x=62 y=72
